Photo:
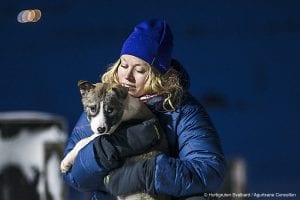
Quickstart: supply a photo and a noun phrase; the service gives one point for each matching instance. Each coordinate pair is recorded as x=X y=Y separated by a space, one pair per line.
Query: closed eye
x=141 y=69
x=124 y=66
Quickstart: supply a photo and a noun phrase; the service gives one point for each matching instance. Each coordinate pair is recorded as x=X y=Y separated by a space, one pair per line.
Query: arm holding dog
x=95 y=160
x=68 y=160
x=200 y=166
x=81 y=166
x=127 y=141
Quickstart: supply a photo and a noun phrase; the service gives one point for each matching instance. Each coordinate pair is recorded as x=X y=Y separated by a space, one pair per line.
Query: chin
x=134 y=94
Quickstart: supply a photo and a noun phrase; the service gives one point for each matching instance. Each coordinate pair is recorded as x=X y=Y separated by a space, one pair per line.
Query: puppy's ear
x=121 y=91
x=85 y=86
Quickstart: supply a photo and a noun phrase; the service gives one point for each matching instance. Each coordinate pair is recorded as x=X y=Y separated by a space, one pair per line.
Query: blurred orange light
x=26 y=16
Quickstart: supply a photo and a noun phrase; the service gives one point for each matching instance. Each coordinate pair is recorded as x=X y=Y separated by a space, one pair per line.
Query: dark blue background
x=242 y=56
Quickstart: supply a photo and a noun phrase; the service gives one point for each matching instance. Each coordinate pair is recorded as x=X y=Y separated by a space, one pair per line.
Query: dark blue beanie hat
x=152 y=41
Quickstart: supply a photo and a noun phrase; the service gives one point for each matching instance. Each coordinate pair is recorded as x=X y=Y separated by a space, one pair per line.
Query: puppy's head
x=104 y=105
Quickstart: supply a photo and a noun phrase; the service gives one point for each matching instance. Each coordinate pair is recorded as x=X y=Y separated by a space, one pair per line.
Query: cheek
x=120 y=74
x=140 y=85
x=141 y=81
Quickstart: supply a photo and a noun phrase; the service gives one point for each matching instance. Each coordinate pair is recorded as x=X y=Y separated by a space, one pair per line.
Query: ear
x=121 y=91
x=84 y=86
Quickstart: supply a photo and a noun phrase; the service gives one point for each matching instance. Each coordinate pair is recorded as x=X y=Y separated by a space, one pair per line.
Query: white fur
x=68 y=161
x=98 y=120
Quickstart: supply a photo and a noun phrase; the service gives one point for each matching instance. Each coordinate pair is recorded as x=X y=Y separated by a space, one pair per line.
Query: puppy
x=106 y=106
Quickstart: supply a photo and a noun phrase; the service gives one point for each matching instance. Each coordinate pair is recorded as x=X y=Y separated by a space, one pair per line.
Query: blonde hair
x=167 y=84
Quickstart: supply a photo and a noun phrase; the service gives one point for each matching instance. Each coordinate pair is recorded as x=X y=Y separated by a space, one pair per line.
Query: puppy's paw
x=67 y=162
x=65 y=166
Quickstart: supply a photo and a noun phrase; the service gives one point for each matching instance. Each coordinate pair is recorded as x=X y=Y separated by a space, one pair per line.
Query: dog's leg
x=68 y=161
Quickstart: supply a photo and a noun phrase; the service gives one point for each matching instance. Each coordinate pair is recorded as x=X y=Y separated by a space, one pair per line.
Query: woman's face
x=133 y=73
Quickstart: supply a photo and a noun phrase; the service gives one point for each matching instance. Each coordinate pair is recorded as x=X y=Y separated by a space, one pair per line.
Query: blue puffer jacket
x=195 y=165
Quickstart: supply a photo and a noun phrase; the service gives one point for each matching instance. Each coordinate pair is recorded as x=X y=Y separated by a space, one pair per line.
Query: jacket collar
x=154 y=102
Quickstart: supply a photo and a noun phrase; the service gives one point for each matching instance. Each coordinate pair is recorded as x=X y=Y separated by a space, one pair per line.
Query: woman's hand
x=128 y=140
x=140 y=173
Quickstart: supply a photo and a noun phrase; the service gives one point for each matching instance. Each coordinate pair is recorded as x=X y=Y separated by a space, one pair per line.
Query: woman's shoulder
x=192 y=111
x=188 y=106
x=190 y=102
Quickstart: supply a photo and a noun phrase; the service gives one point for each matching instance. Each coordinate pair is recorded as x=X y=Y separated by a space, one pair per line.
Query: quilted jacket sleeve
x=200 y=165
x=86 y=174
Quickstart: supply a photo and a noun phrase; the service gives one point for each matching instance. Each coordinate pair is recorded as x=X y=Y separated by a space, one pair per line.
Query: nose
x=101 y=129
x=129 y=74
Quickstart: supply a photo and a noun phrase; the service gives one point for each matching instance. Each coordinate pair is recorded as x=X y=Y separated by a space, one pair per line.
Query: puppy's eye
x=110 y=110
x=93 y=109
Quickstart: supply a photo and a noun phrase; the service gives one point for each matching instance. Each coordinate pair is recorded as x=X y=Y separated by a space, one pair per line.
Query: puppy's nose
x=101 y=129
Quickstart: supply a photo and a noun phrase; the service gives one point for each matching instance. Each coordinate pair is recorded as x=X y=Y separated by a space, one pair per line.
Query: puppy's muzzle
x=101 y=129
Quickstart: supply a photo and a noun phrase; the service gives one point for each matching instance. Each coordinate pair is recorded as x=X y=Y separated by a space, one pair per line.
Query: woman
x=195 y=164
